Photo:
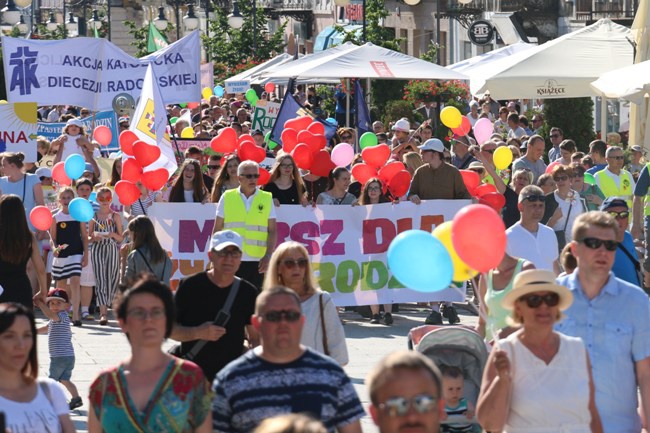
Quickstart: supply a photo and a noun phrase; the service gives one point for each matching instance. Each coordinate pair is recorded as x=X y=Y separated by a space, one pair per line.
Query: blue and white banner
x=106 y=118
x=90 y=72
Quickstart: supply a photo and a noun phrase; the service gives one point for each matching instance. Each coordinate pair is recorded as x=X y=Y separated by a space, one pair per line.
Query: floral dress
x=179 y=403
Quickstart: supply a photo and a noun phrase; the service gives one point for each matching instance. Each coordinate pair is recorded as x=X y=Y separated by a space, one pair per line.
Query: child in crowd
x=568 y=261
x=453 y=387
x=73 y=139
x=69 y=241
x=59 y=341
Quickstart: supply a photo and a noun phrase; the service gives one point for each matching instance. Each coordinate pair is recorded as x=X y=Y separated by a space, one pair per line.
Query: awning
x=329 y=37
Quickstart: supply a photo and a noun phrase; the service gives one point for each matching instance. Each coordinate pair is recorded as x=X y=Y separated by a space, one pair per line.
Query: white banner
x=234 y=87
x=18 y=129
x=264 y=115
x=90 y=72
x=347 y=244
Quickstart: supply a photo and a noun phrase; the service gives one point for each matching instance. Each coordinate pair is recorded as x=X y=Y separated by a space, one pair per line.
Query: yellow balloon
x=206 y=93
x=462 y=272
x=187 y=132
x=451 y=117
x=502 y=157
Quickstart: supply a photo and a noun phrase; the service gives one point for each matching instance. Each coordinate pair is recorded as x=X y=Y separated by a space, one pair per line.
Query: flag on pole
x=364 y=123
x=96 y=33
x=155 y=40
x=149 y=123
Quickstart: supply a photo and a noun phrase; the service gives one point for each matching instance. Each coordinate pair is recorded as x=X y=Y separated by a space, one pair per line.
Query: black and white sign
x=481 y=32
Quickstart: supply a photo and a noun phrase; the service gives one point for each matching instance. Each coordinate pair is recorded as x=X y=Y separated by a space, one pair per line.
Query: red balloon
x=103 y=135
x=316 y=128
x=493 y=199
x=245 y=137
x=127 y=192
x=299 y=123
x=479 y=237
x=269 y=87
x=289 y=139
x=250 y=150
x=264 y=178
x=192 y=105
x=376 y=156
x=303 y=156
x=145 y=154
x=551 y=166
x=155 y=179
x=131 y=170
x=363 y=172
x=225 y=141
x=400 y=183
x=322 y=164
x=127 y=138
x=485 y=188
x=59 y=175
x=41 y=218
x=471 y=180
x=315 y=142
x=464 y=128
x=387 y=172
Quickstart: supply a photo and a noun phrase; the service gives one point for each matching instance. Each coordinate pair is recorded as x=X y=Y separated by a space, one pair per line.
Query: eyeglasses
x=619 y=158
x=534 y=301
x=595 y=243
x=399 y=406
x=142 y=315
x=290 y=263
x=287 y=166
x=488 y=150
x=213 y=167
x=554 y=135
x=620 y=215
x=346 y=137
x=228 y=253
x=561 y=178
x=250 y=176
x=288 y=315
x=535 y=198
x=374 y=188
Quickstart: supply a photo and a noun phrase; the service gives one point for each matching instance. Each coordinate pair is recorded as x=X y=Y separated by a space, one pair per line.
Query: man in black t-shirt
x=201 y=296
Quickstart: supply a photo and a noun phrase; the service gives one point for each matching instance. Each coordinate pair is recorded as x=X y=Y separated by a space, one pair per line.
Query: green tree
x=233 y=47
x=578 y=125
x=140 y=35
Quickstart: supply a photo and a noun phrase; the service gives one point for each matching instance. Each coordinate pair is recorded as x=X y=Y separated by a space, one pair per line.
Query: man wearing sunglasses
x=528 y=238
x=613 y=180
x=199 y=301
x=249 y=211
x=281 y=376
x=405 y=394
x=612 y=317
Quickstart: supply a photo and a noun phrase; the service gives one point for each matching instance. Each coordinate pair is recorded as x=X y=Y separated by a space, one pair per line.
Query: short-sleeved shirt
x=540 y=249
x=615 y=342
x=643 y=183
x=596 y=168
x=538 y=167
x=24 y=189
x=39 y=415
x=251 y=389
x=623 y=265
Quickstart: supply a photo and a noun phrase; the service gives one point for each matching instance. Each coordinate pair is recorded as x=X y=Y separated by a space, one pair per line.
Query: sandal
x=103 y=321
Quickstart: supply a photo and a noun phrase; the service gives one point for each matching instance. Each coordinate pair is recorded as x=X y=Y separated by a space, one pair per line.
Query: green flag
x=95 y=31
x=155 y=41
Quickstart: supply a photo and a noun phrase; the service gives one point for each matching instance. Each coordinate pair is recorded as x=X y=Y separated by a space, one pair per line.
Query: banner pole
x=180 y=157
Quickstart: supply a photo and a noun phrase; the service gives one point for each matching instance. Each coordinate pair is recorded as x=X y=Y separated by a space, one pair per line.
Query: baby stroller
x=454 y=346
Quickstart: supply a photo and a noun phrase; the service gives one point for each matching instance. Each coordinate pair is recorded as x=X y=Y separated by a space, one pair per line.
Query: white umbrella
x=255 y=70
x=631 y=83
x=465 y=66
x=639 y=122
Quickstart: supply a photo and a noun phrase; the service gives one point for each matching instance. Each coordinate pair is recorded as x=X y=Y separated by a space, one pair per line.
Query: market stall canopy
x=249 y=74
x=467 y=65
x=561 y=68
x=631 y=83
x=365 y=61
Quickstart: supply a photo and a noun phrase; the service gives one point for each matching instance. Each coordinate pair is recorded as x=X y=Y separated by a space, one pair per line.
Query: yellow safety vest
x=253 y=226
x=609 y=188
x=646 y=199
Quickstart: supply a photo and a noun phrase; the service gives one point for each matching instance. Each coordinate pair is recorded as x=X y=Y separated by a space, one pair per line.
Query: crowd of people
x=564 y=311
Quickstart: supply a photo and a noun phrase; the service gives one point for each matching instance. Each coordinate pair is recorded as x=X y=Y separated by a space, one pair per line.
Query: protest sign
x=238 y=86
x=347 y=244
x=91 y=72
x=18 y=129
x=264 y=115
x=107 y=118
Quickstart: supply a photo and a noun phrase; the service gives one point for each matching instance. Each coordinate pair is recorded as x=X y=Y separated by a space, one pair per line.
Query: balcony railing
x=589 y=10
x=286 y=4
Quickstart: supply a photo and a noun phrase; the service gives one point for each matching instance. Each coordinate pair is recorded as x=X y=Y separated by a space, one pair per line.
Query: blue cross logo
x=23 y=75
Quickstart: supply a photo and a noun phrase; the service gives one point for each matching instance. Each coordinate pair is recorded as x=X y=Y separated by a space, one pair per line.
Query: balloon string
x=482 y=312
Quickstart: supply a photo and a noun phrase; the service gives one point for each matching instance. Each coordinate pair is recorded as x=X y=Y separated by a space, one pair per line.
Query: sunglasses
x=290 y=263
x=477 y=170
x=288 y=315
x=561 y=178
x=595 y=243
x=620 y=215
x=535 y=198
x=374 y=188
x=213 y=167
x=287 y=166
x=105 y=199
x=534 y=301
x=399 y=406
x=619 y=158
x=42 y=178
x=250 y=176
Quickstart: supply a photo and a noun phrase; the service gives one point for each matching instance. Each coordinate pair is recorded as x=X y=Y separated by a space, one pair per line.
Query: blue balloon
x=74 y=166
x=420 y=261
x=81 y=210
x=219 y=91
x=332 y=121
x=92 y=197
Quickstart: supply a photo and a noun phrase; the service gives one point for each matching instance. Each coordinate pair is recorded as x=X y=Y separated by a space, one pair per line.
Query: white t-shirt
x=70 y=147
x=38 y=415
x=541 y=249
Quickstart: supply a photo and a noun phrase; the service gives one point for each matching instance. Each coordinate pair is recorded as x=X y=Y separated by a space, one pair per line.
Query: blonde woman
x=285 y=184
x=290 y=266
x=412 y=161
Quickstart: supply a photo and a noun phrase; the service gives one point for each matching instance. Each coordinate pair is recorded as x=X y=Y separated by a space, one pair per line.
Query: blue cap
x=613 y=201
x=89 y=167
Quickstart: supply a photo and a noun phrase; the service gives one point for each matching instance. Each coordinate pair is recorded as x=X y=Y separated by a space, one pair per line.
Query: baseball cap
x=402 y=125
x=225 y=238
x=613 y=201
x=43 y=172
x=89 y=167
x=476 y=164
x=473 y=103
x=57 y=294
x=433 y=144
x=257 y=132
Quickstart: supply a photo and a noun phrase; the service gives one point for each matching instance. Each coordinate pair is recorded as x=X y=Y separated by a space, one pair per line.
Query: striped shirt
x=250 y=389
x=59 y=338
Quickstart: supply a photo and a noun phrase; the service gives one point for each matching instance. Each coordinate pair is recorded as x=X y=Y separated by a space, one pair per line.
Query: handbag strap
x=146 y=262
x=566 y=223
x=634 y=261
x=24 y=186
x=225 y=309
x=142 y=206
x=322 y=324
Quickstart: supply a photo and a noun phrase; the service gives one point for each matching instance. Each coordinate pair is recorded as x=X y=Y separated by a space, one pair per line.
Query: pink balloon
x=103 y=135
x=483 y=129
x=342 y=154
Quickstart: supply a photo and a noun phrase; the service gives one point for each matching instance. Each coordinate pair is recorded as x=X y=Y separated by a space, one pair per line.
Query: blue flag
x=364 y=124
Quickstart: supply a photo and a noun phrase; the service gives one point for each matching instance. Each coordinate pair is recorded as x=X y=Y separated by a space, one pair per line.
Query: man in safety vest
x=613 y=180
x=249 y=211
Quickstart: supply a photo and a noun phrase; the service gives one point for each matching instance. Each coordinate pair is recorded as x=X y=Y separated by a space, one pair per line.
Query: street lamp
x=71 y=24
x=161 y=22
x=95 y=22
x=21 y=25
x=235 y=20
x=51 y=24
x=190 y=19
x=10 y=13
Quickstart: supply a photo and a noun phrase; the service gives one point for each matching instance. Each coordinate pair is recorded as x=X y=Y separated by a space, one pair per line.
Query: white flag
x=150 y=121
